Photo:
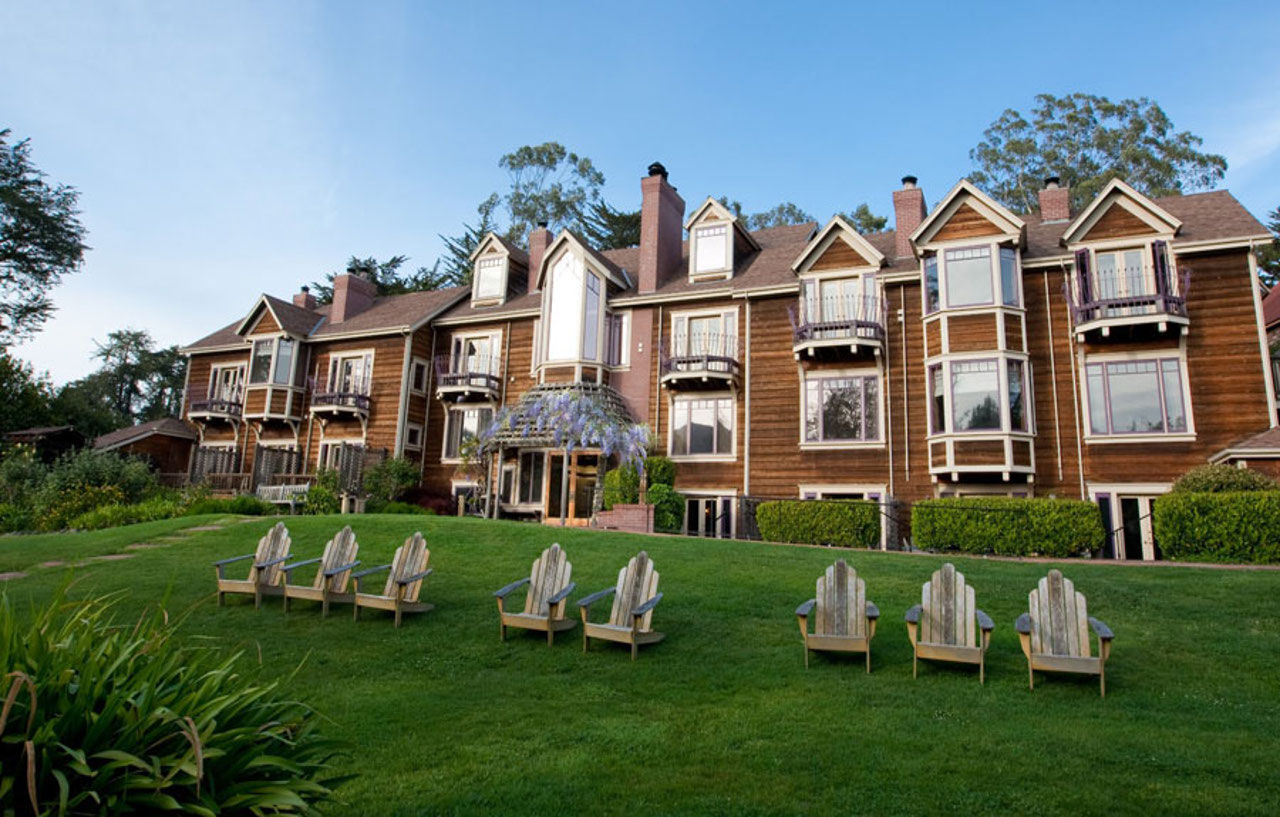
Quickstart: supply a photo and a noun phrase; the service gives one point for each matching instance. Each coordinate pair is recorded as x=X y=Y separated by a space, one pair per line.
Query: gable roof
x=724 y=212
x=515 y=253
x=292 y=319
x=1271 y=307
x=1116 y=191
x=165 y=426
x=841 y=229
x=966 y=193
x=593 y=256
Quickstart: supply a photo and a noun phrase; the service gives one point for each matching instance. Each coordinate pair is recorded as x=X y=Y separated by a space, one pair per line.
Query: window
x=284 y=361
x=938 y=400
x=932 y=296
x=618 y=327
x=225 y=383
x=711 y=248
x=351 y=373
x=710 y=335
x=1009 y=275
x=837 y=299
x=702 y=427
x=968 y=276
x=573 y=311
x=536 y=357
x=413 y=437
x=975 y=395
x=1017 y=399
x=462 y=425
x=1136 y=397
x=532 y=467
x=591 y=322
x=418 y=376
x=474 y=354
x=489 y=278
x=260 y=364
x=1120 y=274
x=842 y=409
x=336 y=454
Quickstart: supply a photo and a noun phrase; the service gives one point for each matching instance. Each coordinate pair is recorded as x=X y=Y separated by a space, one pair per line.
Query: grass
x=722 y=717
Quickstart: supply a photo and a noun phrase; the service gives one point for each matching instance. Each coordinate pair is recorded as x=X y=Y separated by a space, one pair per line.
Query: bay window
x=591 y=323
x=842 y=409
x=968 y=276
x=260 y=363
x=573 y=313
x=284 y=361
x=702 y=427
x=979 y=395
x=1009 y=276
x=462 y=425
x=938 y=400
x=975 y=395
x=1136 y=397
x=984 y=275
x=272 y=361
x=932 y=293
x=711 y=251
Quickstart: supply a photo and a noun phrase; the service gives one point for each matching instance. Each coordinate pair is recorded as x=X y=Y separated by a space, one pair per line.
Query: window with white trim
x=475 y=354
x=618 y=326
x=413 y=437
x=968 y=276
x=272 y=361
x=842 y=409
x=711 y=250
x=350 y=372
x=979 y=275
x=701 y=427
x=418 y=376
x=226 y=382
x=714 y=334
x=260 y=362
x=490 y=278
x=461 y=425
x=979 y=395
x=1136 y=396
x=531 y=483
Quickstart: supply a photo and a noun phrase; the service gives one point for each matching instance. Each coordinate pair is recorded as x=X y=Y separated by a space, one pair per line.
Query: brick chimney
x=1055 y=201
x=908 y=213
x=661 y=229
x=540 y=239
x=305 y=299
x=352 y=294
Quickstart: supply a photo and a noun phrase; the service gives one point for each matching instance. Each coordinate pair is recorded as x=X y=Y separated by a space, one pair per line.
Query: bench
x=291 y=495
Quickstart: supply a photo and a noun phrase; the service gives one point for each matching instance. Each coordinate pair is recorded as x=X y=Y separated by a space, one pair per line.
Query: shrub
x=100 y=468
x=21 y=476
x=113 y=516
x=397 y=507
x=390 y=479
x=1223 y=478
x=55 y=510
x=245 y=504
x=322 y=496
x=660 y=471
x=820 y=522
x=15 y=517
x=1009 y=527
x=621 y=487
x=110 y=719
x=1240 y=526
x=668 y=508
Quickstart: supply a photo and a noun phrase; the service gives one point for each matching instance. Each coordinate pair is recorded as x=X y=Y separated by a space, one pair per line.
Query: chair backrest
x=1059 y=618
x=637 y=583
x=947 y=609
x=411 y=559
x=340 y=550
x=275 y=545
x=842 y=602
x=549 y=575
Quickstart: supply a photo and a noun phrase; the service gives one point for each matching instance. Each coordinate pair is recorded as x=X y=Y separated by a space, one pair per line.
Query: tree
x=24 y=395
x=41 y=240
x=387 y=278
x=1269 y=255
x=87 y=404
x=865 y=221
x=548 y=183
x=608 y=228
x=126 y=366
x=1087 y=141
x=458 y=249
x=778 y=216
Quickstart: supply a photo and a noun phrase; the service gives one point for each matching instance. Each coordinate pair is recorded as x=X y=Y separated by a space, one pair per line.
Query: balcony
x=474 y=378
x=699 y=362
x=837 y=327
x=1129 y=303
x=349 y=397
x=216 y=408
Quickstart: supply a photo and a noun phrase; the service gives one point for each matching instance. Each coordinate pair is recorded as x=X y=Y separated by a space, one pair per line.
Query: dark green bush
x=1223 y=478
x=15 y=518
x=390 y=479
x=1009 y=527
x=668 y=508
x=397 y=507
x=322 y=496
x=660 y=471
x=622 y=485
x=1242 y=526
x=245 y=504
x=113 y=516
x=88 y=468
x=820 y=522
x=21 y=476
x=113 y=717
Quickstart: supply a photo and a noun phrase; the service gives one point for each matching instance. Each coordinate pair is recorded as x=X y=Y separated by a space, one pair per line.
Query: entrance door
x=1131 y=534
x=555 y=476
x=710 y=516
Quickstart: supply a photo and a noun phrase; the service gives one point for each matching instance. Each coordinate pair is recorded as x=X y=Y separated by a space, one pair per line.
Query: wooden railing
x=478 y=372
x=711 y=353
x=1128 y=292
x=228 y=483
x=839 y=318
x=217 y=405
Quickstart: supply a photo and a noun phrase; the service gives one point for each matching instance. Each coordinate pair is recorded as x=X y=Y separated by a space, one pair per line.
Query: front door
x=1130 y=532
x=710 y=516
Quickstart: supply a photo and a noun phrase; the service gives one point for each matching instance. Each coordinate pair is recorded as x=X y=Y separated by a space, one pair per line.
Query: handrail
x=341 y=399
x=470 y=371
x=1128 y=292
x=217 y=405
x=700 y=354
x=839 y=318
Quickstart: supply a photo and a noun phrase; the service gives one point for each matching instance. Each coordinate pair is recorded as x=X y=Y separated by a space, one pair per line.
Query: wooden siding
x=978 y=452
x=933 y=336
x=966 y=222
x=972 y=333
x=266 y=323
x=1117 y=222
x=1013 y=332
x=200 y=368
x=840 y=255
x=384 y=395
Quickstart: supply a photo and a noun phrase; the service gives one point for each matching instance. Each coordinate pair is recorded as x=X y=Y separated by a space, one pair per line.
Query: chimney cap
x=656 y=169
x=1052 y=182
x=542 y=225
x=908 y=182
x=306 y=288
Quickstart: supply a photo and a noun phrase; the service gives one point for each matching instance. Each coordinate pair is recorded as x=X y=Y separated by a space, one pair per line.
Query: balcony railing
x=218 y=407
x=709 y=358
x=351 y=395
x=1129 y=295
x=474 y=374
x=837 y=321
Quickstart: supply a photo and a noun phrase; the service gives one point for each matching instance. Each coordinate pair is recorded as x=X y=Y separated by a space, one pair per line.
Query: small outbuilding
x=165 y=443
x=48 y=442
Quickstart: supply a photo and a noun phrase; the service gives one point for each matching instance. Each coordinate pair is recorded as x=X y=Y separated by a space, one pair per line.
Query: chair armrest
x=913 y=615
x=1023 y=624
x=1103 y=631
x=984 y=621
x=647 y=606
x=872 y=611
x=563 y=594
x=502 y=594
x=806 y=608
x=287 y=568
x=415 y=576
x=221 y=562
x=594 y=597
x=284 y=558
x=364 y=573
x=334 y=571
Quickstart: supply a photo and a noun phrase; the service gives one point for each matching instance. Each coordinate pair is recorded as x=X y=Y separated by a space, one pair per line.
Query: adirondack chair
x=408 y=572
x=330 y=584
x=1055 y=633
x=845 y=621
x=264 y=573
x=634 y=598
x=549 y=586
x=942 y=626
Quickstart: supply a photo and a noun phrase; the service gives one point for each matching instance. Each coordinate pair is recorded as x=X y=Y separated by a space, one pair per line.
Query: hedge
x=668 y=508
x=820 y=522
x=1223 y=478
x=1241 y=526
x=1008 y=527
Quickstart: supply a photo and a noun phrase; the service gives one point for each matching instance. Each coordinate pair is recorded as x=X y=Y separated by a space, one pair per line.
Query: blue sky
x=225 y=149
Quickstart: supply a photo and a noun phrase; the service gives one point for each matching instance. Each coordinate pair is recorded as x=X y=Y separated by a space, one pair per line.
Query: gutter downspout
x=403 y=411
x=1053 y=373
x=746 y=436
x=1075 y=396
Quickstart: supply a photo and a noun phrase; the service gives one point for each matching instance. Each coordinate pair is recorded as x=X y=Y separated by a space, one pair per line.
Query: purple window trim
x=872 y=430
x=1164 y=408
x=949 y=385
x=992 y=260
x=934 y=372
x=931 y=260
x=935 y=375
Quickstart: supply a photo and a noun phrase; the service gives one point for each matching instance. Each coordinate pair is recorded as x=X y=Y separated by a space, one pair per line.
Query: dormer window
x=711 y=250
x=490 y=279
x=982 y=275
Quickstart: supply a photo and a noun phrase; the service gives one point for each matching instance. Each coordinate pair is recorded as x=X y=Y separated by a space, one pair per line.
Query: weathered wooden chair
x=408 y=572
x=544 y=603
x=634 y=598
x=330 y=584
x=1055 y=633
x=264 y=573
x=845 y=621
x=946 y=625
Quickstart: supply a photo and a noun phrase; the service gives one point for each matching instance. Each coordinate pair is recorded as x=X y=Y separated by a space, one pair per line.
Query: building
x=969 y=351
x=165 y=444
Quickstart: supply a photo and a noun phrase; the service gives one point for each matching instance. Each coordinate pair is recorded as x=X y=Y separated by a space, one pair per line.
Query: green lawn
x=722 y=717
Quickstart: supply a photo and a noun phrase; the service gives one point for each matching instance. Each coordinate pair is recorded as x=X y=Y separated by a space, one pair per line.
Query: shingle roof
x=1264 y=444
x=1271 y=307
x=168 y=426
x=293 y=319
